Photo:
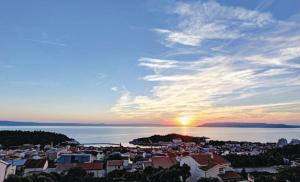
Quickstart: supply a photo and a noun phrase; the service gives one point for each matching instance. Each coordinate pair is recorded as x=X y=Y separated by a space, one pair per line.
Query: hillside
x=155 y=139
x=16 y=138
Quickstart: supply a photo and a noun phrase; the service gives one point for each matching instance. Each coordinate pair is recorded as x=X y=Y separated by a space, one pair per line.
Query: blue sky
x=150 y=61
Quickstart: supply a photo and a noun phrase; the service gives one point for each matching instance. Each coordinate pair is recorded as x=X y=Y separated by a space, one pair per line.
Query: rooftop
x=163 y=161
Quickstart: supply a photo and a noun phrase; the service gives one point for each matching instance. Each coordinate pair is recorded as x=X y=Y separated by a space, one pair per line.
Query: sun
x=184 y=121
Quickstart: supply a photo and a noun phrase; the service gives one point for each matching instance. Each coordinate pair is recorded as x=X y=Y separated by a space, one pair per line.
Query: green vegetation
x=155 y=139
x=269 y=158
x=16 y=138
x=262 y=160
x=173 y=174
x=208 y=180
x=74 y=175
x=220 y=142
x=290 y=174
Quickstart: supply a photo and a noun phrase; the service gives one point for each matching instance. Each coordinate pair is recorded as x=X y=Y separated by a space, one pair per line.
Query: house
x=146 y=164
x=205 y=165
x=74 y=158
x=33 y=166
x=282 y=142
x=112 y=165
x=51 y=167
x=95 y=169
x=230 y=176
x=100 y=156
x=177 y=140
x=52 y=154
x=19 y=163
x=163 y=161
x=6 y=169
x=127 y=163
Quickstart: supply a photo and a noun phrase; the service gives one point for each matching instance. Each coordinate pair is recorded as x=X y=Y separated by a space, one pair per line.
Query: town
x=208 y=159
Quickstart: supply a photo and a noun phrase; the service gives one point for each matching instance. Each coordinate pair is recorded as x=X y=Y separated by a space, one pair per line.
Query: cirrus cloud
x=247 y=68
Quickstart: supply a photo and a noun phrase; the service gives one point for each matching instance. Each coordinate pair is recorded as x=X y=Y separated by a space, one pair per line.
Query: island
x=159 y=139
x=17 y=138
x=248 y=125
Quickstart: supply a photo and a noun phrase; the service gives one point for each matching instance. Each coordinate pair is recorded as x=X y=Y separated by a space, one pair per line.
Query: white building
x=6 y=169
x=100 y=156
x=206 y=165
x=112 y=165
x=95 y=169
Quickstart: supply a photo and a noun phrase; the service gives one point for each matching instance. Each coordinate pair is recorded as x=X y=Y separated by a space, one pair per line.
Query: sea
x=103 y=135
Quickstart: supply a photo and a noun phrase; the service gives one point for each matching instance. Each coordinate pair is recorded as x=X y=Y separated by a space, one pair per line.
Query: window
x=221 y=170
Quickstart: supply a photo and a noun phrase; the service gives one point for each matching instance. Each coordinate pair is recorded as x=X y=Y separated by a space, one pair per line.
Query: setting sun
x=184 y=121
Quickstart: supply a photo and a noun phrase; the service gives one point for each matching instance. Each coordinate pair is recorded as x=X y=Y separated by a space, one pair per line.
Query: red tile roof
x=147 y=164
x=163 y=161
x=205 y=159
x=114 y=162
x=85 y=166
x=35 y=163
x=185 y=153
x=229 y=175
x=219 y=159
x=91 y=166
x=202 y=159
x=172 y=154
x=209 y=166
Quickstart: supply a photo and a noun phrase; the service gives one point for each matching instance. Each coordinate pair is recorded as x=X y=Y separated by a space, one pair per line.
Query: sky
x=150 y=61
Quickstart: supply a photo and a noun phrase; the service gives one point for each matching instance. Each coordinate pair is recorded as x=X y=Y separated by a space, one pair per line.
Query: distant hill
x=248 y=125
x=16 y=138
x=18 y=123
x=155 y=139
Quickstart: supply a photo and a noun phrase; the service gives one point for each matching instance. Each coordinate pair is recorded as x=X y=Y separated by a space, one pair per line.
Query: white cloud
x=255 y=75
x=209 y=21
x=48 y=42
x=115 y=89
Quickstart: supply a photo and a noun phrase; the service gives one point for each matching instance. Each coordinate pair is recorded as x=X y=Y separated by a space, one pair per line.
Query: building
x=94 y=169
x=282 y=142
x=112 y=165
x=177 y=140
x=52 y=154
x=295 y=141
x=19 y=163
x=6 y=169
x=206 y=165
x=163 y=161
x=74 y=158
x=33 y=166
x=230 y=176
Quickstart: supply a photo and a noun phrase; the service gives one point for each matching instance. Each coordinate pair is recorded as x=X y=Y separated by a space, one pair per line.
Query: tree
x=185 y=172
x=13 y=178
x=75 y=174
x=244 y=174
x=208 y=180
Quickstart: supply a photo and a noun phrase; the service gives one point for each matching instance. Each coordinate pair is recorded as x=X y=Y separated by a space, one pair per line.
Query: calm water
x=86 y=134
